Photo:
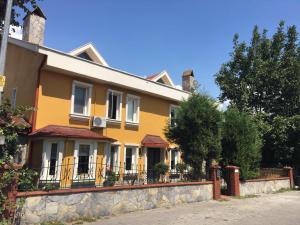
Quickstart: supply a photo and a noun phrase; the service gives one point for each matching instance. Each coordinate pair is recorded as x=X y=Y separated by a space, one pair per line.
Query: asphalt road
x=272 y=209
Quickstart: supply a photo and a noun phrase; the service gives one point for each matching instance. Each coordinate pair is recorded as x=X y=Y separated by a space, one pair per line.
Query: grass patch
x=283 y=190
x=247 y=196
x=52 y=223
x=84 y=220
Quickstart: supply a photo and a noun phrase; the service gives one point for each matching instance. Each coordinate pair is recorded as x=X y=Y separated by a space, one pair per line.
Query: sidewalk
x=272 y=209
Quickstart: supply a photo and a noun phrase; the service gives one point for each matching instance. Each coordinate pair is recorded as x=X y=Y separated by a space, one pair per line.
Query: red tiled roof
x=68 y=132
x=154 y=141
x=19 y=121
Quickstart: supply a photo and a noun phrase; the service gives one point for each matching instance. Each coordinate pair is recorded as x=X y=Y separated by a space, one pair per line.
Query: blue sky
x=145 y=37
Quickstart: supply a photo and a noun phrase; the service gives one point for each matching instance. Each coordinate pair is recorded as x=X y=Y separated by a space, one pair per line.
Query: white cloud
x=178 y=87
x=15 y=32
x=223 y=105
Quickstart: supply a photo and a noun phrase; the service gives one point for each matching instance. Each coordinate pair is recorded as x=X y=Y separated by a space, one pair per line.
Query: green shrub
x=181 y=167
x=241 y=143
x=111 y=178
x=161 y=168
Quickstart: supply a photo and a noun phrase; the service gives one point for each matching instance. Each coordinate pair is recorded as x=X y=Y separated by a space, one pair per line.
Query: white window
x=114 y=105
x=52 y=159
x=114 y=158
x=132 y=109
x=172 y=116
x=81 y=98
x=85 y=154
x=130 y=159
x=174 y=159
x=13 y=97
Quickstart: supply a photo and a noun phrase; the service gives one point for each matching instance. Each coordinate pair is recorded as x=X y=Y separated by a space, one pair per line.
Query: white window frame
x=108 y=156
x=119 y=110
x=135 y=155
x=93 y=157
x=46 y=160
x=13 y=100
x=176 y=158
x=88 y=99
x=170 y=111
x=129 y=96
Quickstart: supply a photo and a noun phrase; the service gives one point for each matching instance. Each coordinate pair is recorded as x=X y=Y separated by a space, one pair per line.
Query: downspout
x=37 y=90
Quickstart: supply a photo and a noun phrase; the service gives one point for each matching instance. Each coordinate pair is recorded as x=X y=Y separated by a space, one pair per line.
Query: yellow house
x=90 y=118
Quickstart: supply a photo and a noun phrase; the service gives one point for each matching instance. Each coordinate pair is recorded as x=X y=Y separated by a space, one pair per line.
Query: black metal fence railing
x=93 y=174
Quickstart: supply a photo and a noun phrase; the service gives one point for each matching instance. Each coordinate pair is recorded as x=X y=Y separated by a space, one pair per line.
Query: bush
x=111 y=179
x=27 y=179
x=161 y=168
x=180 y=167
x=197 y=131
x=241 y=143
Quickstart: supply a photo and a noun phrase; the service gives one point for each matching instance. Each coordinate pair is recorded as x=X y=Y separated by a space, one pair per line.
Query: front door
x=153 y=157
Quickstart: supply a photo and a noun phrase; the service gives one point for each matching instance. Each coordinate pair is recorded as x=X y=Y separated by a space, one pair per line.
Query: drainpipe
x=37 y=90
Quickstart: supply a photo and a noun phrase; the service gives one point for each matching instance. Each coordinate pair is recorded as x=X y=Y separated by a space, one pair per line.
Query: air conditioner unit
x=99 y=121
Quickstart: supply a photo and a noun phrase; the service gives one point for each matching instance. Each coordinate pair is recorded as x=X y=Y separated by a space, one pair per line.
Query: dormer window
x=84 y=55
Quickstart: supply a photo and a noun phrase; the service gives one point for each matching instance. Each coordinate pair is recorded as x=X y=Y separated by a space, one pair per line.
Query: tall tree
x=196 y=131
x=263 y=77
x=18 y=7
x=241 y=142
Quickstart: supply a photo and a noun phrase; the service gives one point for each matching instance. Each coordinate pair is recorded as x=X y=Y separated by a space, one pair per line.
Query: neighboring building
x=87 y=113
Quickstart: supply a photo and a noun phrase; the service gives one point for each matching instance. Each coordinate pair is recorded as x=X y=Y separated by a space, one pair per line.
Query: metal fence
x=272 y=173
x=78 y=175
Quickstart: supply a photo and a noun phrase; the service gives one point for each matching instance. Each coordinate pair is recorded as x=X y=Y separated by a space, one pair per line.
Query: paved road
x=272 y=209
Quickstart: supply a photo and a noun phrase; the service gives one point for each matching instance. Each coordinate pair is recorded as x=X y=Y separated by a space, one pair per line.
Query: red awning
x=68 y=132
x=154 y=141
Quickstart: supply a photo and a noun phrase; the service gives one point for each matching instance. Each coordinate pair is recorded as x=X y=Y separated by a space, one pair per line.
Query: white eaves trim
x=59 y=61
x=91 y=51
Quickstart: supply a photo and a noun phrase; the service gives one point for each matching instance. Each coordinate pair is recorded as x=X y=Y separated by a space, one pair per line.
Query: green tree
x=12 y=126
x=241 y=143
x=19 y=6
x=197 y=131
x=263 y=78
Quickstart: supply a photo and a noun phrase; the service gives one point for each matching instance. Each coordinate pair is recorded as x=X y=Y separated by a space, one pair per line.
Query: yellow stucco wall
x=54 y=108
x=21 y=72
x=55 y=105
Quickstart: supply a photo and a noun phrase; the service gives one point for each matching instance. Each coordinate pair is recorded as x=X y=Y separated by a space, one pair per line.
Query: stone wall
x=69 y=207
x=259 y=186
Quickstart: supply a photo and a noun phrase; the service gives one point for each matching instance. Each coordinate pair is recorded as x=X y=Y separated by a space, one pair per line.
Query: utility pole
x=4 y=45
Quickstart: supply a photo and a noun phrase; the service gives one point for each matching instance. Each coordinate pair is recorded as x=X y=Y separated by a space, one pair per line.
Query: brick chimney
x=34 y=26
x=188 y=80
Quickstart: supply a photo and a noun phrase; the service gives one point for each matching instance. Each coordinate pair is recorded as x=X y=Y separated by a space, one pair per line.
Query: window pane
x=130 y=110
x=83 y=159
x=173 y=114
x=128 y=161
x=173 y=159
x=53 y=159
x=112 y=105
x=80 y=100
x=114 y=158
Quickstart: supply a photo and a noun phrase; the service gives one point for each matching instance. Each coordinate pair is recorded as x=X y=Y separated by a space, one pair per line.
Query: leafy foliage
x=283 y=141
x=263 y=78
x=11 y=129
x=18 y=7
x=241 y=143
x=161 y=168
x=196 y=131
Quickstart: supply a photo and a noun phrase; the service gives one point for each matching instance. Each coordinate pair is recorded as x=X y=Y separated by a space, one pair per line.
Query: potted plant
x=111 y=179
x=180 y=168
x=161 y=169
